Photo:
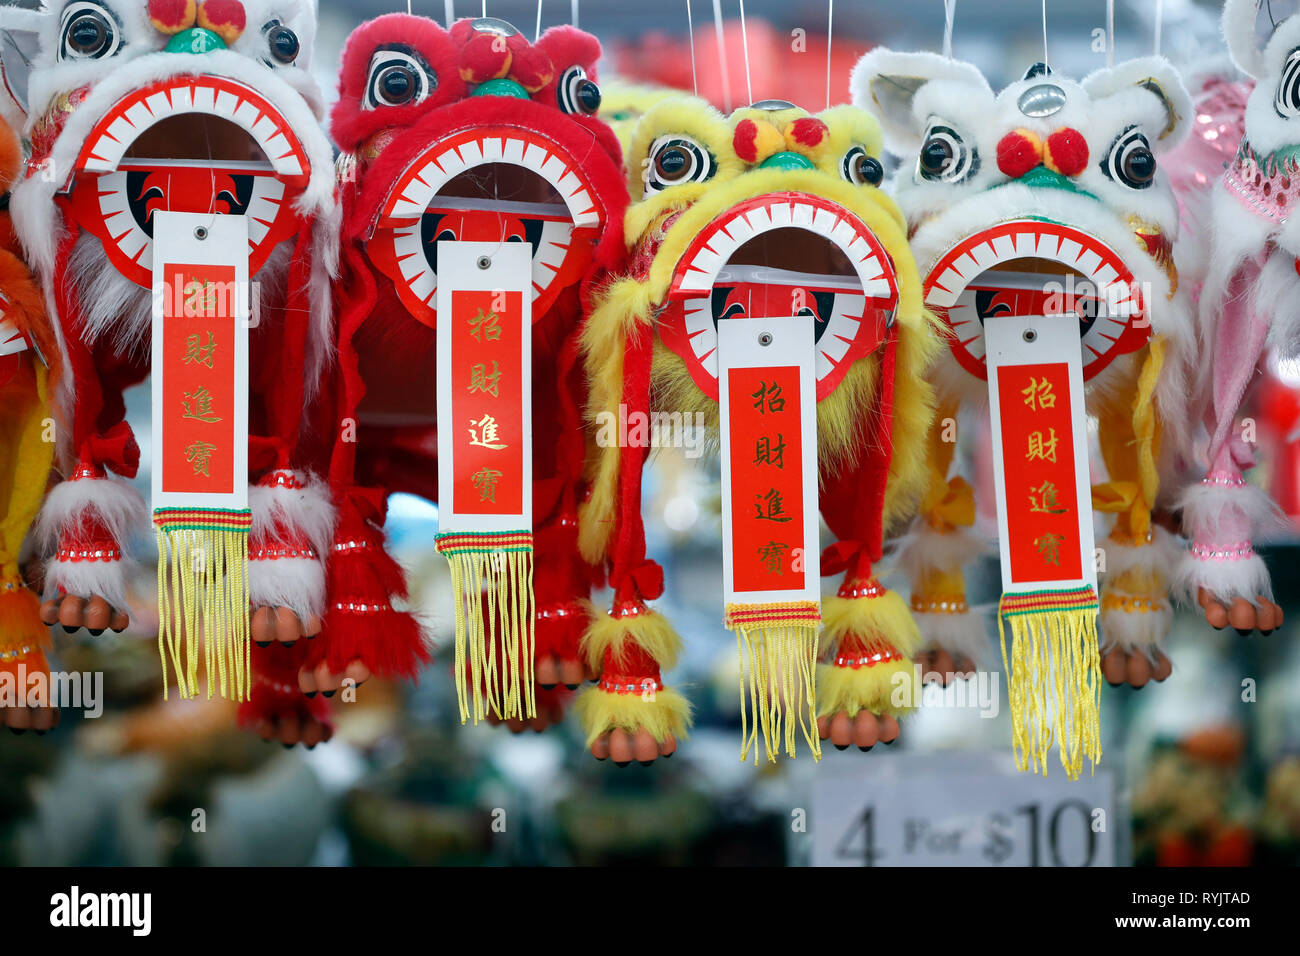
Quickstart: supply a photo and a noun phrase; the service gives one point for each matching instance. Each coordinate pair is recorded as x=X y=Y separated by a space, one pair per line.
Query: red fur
x=566 y=46
x=1018 y=154
x=1068 y=152
x=745 y=140
x=278 y=665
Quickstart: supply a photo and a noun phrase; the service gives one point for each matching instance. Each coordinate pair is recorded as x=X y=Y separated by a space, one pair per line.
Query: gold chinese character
x=198 y=352
x=485 y=481
x=485 y=328
x=198 y=405
x=771 y=507
x=200 y=299
x=1039 y=394
x=767 y=453
x=485 y=433
x=1045 y=499
x=768 y=398
x=481 y=380
x=772 y=555
x=1042 y=449
x=199 y=455
x=1048 y=547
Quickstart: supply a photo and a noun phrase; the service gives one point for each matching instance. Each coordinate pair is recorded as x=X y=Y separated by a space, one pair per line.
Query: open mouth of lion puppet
x=196 y=144
x=776 y=255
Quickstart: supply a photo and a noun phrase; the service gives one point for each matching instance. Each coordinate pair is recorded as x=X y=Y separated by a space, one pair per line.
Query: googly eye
x=945 y=157
x=89 y=31
x=577 y=93
x=282 y=42
x=1286 y=100
x=675 y=160
x=860 y=169
x=1130 y=160
x=398 y=77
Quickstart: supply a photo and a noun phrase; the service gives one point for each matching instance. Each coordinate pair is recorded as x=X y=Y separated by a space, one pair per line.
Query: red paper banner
x=767 y=448
x=1043 y=537
x=487 y=402
x=199 y=398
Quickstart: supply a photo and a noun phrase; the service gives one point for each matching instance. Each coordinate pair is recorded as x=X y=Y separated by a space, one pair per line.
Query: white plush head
x=1264 y=39
x=1049 y=182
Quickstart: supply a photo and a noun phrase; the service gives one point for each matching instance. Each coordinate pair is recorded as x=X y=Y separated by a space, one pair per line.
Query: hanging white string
x=537 y=32
x=690 y=33
x=1110 y=32
x=744 y=44
x=450 y=7
x=722 y=54
x=1160 y=23
x=949 y=12
x=1045 y=60
x=574 y=6
x=830 y=28
x=408 y=8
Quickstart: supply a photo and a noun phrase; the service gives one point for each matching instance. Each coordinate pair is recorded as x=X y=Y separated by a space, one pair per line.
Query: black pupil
x=88 y=33
x=284 y=43
x=936 y=155
x=1140 y=165
x=398 y=84
x=672 y=162
x=588 y=96
x=868 y=170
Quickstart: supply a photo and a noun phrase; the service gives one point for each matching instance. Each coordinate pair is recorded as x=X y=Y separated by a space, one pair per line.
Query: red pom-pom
x=172 y=16
x=1067 y=152
x=1019 y=152
x=531 y=67
x=225 y=18
x=808 y=132
x=745 y=140
x=485 y=56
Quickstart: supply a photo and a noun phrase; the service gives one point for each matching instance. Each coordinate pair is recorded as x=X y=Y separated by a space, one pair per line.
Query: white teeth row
x=408 y=245
x=265 y=129
x=420 y=191
x=12 y=341
x=1085 y=260
x=263 y=208
x=841 y=328
x=726 y=238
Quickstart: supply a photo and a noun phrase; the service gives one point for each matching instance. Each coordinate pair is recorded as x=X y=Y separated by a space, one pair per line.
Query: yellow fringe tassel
x=495 y=638
x=781 y=663
x=1054 y=652
x=203 y=590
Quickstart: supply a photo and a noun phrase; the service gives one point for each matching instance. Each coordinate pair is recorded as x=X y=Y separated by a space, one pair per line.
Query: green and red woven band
x=204 y=519
x=479 y=542
x=784 y=614
x=1046 y=602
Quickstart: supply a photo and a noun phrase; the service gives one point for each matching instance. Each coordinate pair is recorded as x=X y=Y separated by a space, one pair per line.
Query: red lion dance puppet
x=179 y=211
x=469 y=139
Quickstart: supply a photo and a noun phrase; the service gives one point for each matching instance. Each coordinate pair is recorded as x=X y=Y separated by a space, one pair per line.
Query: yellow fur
x=650 y=631
x=663 y=713
x=885 y=616
x=853 y=690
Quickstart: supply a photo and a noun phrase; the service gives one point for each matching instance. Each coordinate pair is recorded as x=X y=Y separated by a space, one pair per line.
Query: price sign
x=956 y=810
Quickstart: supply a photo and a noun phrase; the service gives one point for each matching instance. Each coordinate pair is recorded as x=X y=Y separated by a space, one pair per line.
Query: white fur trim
x=1206 y=506
x=961 y=635
x=1160 y=555
x=305 y=513
x=1239 y=30
x=1136 y=631
x=106 y=579
x=885 y=83
x=116 y=504
x=295 y=583
x=1226 y=580
x=924 y=549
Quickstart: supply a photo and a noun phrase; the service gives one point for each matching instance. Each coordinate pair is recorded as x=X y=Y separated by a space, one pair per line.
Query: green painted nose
x=787 y=160
x=195 y=40
x=501 y=88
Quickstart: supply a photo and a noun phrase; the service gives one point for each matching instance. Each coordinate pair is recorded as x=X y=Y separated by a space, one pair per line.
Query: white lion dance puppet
x=1248 y=304
x=1040 y=201
x=176 y=146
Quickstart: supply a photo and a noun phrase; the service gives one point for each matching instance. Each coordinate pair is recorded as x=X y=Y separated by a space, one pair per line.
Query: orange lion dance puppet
x=469 y=155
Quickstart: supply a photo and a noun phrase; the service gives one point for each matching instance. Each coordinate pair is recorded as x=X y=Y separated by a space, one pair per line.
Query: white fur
x=1161 y=555
x=886 y=82
x=295 y=583
x=1136 y=631
x=118 y=506
x=106 y=579
x=1241 y=34
x=1205 y=507
x=1226 y=580
x=924 y=548
x=304 y=514
x=961 y=635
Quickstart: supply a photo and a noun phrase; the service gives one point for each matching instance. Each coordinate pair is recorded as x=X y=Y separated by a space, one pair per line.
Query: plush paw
x=865 y=730
x=321 y=680
x=938 y=666
x=1134 y=668
x=1240 y=614
x=293 y=729
x=623 y=747
x=39 y=720
x=94 y=614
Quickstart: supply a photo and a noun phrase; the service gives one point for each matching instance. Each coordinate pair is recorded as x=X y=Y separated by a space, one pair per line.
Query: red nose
x=225 y=18
x=1065 y=152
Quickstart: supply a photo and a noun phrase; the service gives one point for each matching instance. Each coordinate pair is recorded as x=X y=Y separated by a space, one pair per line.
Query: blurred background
x=1204 y=768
